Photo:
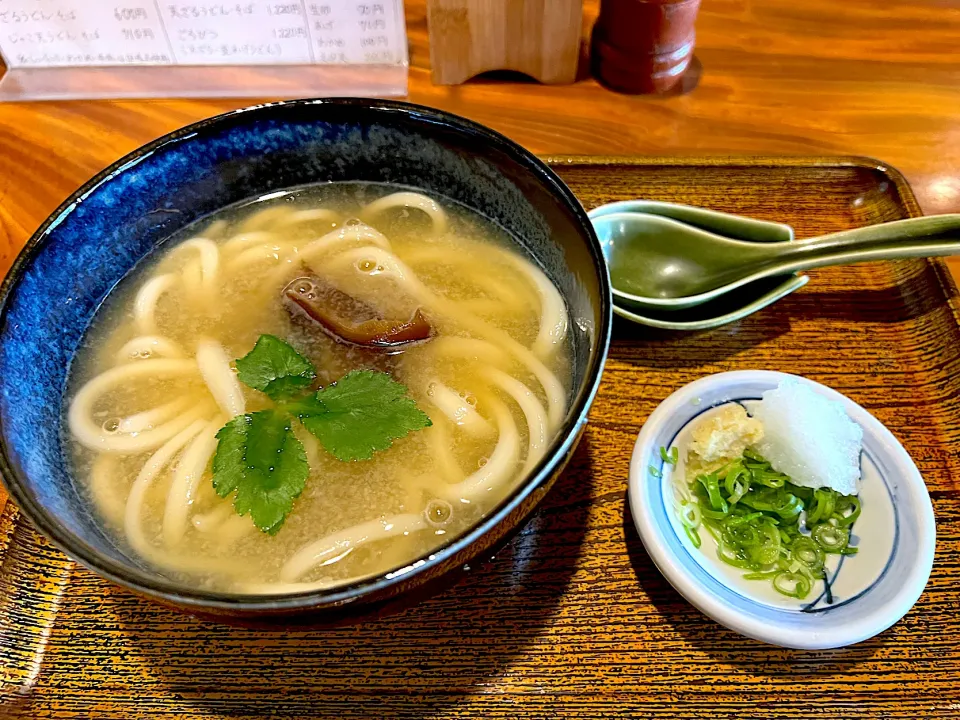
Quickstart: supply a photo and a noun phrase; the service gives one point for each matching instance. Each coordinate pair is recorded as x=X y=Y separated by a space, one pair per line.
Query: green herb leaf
x=260 y=461
x=259 y=458
x=229 y=460
x=361 y=413
x=275 y=368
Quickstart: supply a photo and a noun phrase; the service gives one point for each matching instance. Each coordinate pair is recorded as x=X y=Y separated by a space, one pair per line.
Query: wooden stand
x=538 y=37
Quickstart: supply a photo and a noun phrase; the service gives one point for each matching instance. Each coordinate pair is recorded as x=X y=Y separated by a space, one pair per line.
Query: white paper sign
x=62 y=33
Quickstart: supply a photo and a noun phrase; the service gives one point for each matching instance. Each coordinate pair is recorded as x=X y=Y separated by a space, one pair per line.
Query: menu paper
x=101 y=33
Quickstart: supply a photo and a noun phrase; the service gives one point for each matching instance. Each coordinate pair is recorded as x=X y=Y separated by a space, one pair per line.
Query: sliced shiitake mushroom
x=350 y=320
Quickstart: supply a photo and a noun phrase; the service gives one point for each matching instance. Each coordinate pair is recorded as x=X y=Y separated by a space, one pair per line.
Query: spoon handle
x=916 y=237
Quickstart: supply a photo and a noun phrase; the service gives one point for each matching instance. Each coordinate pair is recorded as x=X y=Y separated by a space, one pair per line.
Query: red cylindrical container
x=643 y=46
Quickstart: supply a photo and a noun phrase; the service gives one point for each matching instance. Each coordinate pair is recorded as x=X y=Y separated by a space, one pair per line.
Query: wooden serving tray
x=572 y=619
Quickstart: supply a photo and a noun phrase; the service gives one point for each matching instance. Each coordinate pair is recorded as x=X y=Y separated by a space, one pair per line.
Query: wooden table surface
x=817 y=77
x=773 y=77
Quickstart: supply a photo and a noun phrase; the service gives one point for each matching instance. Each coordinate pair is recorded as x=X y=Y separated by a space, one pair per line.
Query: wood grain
x=536 y=37
x=572 y=620
x=770 y=76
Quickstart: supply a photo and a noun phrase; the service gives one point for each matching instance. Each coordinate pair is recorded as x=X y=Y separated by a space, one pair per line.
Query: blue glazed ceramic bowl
x=91 y=241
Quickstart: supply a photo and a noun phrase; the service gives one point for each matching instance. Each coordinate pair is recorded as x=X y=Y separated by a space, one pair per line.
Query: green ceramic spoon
x=721 y=223
x=730 y=307
x=660 y=263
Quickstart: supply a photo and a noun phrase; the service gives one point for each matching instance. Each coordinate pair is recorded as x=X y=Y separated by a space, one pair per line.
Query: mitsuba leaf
x=275 y=368
x=260 y=460
x=361 y=413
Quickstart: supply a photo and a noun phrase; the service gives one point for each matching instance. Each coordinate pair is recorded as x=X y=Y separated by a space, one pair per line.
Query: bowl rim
x=678 y=574
x=169 y=591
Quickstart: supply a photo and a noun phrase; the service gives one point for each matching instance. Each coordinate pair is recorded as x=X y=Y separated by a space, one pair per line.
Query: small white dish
x=871 y=591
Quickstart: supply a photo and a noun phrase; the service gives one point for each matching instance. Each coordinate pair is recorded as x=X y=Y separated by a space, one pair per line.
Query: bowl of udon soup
x=305 y=357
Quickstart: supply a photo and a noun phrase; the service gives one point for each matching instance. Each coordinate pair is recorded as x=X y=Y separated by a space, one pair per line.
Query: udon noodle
x=155 y=380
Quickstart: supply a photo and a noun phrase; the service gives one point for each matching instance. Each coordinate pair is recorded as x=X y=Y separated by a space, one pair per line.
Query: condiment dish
x=863 y=594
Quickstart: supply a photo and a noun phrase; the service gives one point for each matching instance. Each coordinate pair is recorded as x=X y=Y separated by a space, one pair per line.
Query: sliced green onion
x=712 y=485
x=823 y=508
x=736 y=482
x=846 y=510
x=742 y=536
x=731 y=556
x=792 y=584
x=754 y=512
x=809 y=573
x=741 y=519
x=769 y=479
x=714 y=514
x=740 y=489
x=656 y=473
x=670 y=457
x=805 y=550
x=830 y=538
x=690 y=514
x=775 y=500
x=769 y=550
x=769 y=575
x=761 y=499
x=804 y=493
